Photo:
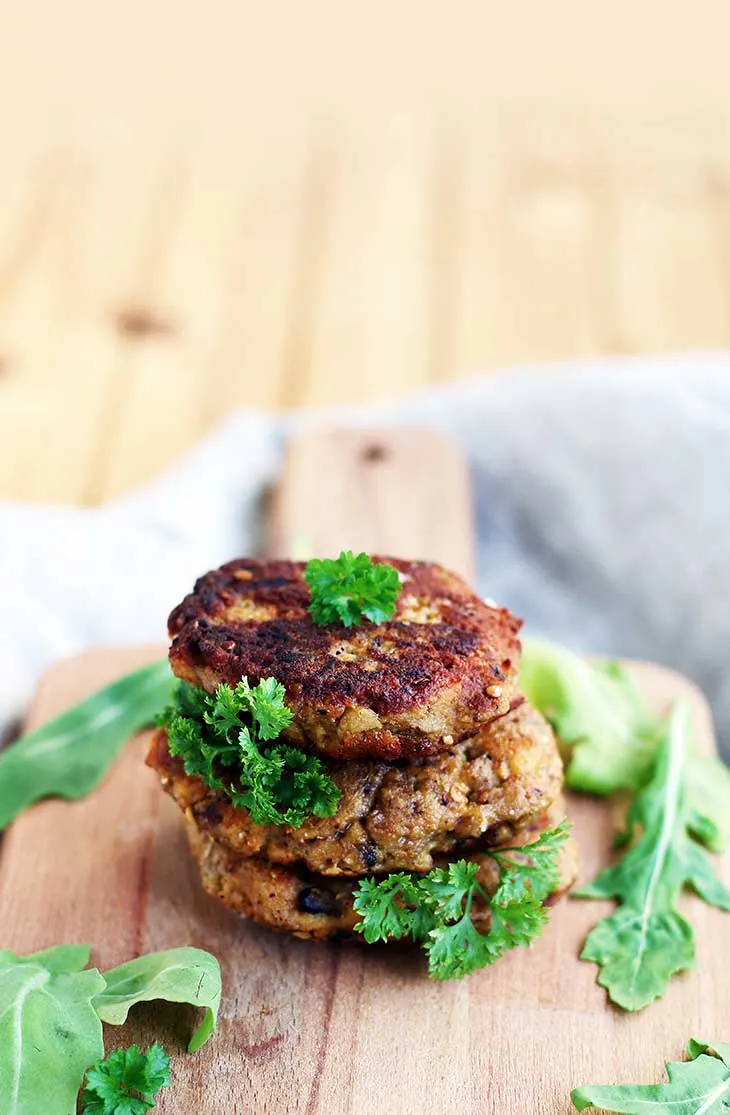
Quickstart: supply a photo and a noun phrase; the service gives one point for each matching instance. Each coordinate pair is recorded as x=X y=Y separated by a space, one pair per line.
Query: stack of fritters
x=418 y=723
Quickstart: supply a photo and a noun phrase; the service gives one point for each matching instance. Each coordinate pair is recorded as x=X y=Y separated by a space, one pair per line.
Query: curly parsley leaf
x=126 y=1082
x=455 y=947
x=700 y=1086
x=457 y=950
x=283 y=785
x=388 y=908
x=597 y=712
x=646 y=940
x=537 y=873
x=226 y=738
x=351 y=588
x=435 y=909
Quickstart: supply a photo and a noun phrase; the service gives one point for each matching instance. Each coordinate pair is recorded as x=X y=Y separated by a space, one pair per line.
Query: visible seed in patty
x=312 y=900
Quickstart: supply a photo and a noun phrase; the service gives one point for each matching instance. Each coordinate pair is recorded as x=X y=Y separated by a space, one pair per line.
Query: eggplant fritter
x=394 y=817
x=441 y=669
x=316 y=906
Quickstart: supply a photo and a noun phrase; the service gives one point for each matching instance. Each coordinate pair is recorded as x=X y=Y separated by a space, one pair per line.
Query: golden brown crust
x=318 y=907
x=442 y=668
x=394 y=817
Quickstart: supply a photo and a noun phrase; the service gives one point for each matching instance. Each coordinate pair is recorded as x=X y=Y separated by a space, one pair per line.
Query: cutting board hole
x=374 y=454
x=136 y=323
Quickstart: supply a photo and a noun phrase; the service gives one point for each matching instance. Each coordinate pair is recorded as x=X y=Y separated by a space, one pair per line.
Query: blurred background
x=209 y=205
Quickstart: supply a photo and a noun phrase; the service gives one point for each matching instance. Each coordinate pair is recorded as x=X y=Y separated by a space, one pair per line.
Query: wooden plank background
x=206 y=205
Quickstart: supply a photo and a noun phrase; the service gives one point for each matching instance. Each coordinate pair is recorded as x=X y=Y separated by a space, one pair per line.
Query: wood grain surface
x=403 y=491
x=212 y=205
x=327 y=1030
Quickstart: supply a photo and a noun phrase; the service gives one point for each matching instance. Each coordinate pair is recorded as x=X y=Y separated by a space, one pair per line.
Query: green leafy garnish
x=435 y=909
x=126 y=1082
x=51 y=1010
x=646 y=940
x=182 y=975
x=69 y=755
x=700 y=1086
x=49 y=1030
x=219 y=738
x=351 y=588
x=397 y=906
x=597 y=712
x=616 y=743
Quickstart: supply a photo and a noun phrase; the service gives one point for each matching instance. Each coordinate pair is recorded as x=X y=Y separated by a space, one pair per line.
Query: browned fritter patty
x=436 y=673
x=394 y=817
x=318 y=906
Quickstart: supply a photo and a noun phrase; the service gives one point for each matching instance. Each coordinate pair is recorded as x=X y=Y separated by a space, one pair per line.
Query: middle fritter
x=394 y=816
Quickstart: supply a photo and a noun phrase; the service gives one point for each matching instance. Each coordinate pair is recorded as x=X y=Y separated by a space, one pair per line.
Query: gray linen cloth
x=602 y=515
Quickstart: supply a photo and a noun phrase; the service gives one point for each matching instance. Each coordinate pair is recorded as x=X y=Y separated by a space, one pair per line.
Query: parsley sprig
x=126 y=1082
x=435 y=909
x=219 y=737
x=351 y=588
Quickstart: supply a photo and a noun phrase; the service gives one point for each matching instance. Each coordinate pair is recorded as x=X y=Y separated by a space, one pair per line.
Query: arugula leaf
x=51 y=1010
x=646 y=941
x=708 y=802
x=126 y=1082
x=68 y=756
x=616 y=743
x=61 y=958
x=351 y=588
x=49 y=1030
x=182 y=975
x=700 y=1086
x=597 y=712
x=435 y=909
x=223 y=732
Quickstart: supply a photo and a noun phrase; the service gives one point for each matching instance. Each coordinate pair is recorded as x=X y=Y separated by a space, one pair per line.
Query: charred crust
x=443 y=646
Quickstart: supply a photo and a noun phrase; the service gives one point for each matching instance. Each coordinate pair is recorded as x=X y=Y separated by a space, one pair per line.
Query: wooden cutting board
x=328 y=1030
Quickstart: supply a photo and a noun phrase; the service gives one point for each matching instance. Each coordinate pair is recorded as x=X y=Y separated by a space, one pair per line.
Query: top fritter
x=439 y=670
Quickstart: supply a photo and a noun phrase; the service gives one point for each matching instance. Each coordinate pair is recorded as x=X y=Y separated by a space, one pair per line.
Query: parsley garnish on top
x=126 y=1082
x=435 y=909
x=351 y=588
x=219 y=737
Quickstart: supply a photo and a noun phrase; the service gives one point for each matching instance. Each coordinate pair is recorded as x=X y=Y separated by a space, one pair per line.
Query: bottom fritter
x=318 y=907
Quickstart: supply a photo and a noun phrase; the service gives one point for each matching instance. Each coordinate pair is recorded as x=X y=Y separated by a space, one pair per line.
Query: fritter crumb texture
x=394 y=816
x=318 y=907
